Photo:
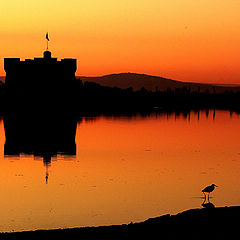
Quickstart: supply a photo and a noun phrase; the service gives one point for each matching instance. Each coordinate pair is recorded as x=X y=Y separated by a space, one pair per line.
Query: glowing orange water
x=125 y=169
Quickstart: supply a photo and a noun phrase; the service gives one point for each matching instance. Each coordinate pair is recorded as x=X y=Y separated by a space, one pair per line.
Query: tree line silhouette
x=90 y=97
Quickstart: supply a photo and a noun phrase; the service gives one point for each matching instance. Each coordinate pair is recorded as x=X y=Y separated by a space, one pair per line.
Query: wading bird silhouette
x=208 y=190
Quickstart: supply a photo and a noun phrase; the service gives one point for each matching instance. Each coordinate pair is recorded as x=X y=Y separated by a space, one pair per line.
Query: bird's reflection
x=40 y=136
x=207 y=204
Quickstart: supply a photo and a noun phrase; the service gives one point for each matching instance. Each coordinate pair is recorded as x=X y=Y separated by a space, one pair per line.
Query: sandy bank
x=211 y=223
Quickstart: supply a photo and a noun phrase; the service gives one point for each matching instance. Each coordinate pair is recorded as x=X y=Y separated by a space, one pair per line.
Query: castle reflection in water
x=46 y=136
x=38 y=119
x=40 y=136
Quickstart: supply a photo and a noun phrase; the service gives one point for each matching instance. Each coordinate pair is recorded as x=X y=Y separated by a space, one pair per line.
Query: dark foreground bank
x=211 y=223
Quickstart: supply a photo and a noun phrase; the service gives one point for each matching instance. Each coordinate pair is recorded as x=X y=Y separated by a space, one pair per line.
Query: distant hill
x=153 y=83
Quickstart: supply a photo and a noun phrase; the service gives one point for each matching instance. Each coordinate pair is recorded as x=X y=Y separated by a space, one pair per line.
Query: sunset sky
x=185 y=40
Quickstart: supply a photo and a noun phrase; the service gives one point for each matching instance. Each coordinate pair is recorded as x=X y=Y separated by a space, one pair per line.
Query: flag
x=47 y=37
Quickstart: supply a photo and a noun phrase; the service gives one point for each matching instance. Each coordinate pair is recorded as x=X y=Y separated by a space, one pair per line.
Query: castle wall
x=39 y=73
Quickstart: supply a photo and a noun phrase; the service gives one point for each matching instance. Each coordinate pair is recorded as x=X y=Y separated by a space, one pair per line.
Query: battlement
x=46 y=72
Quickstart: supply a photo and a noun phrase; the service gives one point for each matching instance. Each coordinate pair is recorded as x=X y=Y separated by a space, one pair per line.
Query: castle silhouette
x=39 y=94
x=39 y=74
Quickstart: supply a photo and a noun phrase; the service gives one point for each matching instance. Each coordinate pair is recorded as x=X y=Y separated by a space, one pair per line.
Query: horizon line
x=151 y=75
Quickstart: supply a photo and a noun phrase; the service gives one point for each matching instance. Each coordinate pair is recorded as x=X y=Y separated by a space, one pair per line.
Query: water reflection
x=186 y=114
x=41 y=136
x=47 y=136
x=207 y=204
x=126 y=167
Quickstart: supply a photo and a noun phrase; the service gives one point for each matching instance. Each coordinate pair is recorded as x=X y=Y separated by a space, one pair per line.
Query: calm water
x=125 y=169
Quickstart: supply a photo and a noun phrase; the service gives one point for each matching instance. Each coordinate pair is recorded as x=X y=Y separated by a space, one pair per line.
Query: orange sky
x=186 y=40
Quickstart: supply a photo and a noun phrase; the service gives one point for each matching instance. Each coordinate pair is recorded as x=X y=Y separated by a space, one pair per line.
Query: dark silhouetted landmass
x=153 y=83
x=80 y=97
x=93 y=97
x=150 y=83
x=47 y=86
x=206 y=223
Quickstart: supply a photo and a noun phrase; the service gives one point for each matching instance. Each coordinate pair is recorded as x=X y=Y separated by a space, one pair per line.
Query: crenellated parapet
x=39 y=73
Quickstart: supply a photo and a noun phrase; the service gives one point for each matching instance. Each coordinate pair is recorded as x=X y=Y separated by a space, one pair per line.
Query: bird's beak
x=216 y=186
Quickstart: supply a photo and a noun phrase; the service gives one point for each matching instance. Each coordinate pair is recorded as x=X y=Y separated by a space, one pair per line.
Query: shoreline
x=190 y=224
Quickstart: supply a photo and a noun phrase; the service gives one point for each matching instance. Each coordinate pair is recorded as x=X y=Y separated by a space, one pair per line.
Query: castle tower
x=39 y=74
x=47 y=55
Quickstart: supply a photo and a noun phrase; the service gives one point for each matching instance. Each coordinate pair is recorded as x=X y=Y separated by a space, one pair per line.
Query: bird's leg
x=204 y=195
x=208 y=196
